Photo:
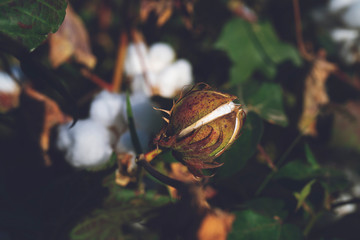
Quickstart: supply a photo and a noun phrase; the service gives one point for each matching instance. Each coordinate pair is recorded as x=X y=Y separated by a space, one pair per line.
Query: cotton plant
x=91 y=141
x=341 y=18
x=155 y=71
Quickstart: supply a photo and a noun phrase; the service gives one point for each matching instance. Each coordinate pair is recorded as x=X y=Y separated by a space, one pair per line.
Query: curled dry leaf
x=315 y=95
x=216 y=225
x=164 y=9
x=71 y=39
x=124 y=174
x=52 y=116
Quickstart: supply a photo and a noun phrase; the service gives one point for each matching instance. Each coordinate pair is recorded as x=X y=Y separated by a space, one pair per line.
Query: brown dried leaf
x=124 y=174
x=315 y=95
x=164 y=9
x=216 y=225
x=71 y=39
x=52 y=116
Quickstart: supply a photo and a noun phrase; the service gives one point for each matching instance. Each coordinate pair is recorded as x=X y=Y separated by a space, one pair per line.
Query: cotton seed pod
x=202 y=124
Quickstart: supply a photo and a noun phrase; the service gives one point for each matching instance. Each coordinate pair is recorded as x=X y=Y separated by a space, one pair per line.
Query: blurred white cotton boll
x=343 y=34
x=160 y=56
x=124 y=144
x=146 y=118
x=351 y=16
x=87 y=143
x=172 y=79
x=337 y=5
x=141 y=85
x=345 y=209
x=107 y=108
x=63 y=139
x=136 y=61
x=7 y=83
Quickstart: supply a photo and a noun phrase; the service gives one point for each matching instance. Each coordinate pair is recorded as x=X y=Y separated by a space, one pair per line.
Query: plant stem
x=279 y=162
x=159 y=176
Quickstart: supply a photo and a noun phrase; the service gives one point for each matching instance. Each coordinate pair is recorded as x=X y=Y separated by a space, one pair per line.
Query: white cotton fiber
x=160 y=56
x=146 y=118
x=351 y=16
x=173 y=79
x=337 y=5
x=141 y=85
x=87 y=144
x=7 y=83
x=124 y=144
x=106 y=108
x=136 y=61
x=343 y=35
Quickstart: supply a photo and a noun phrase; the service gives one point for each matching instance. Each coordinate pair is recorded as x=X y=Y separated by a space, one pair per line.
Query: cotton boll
x=351 y=16
x=145 y=117
x=63 y=139
x=124 y=145
x=144 y=86
x=174 y=78
x=7 y=84
x=343 y=35
x=337 y=5
x=347 y=53
x=345 y=209
x=160 y=56
x=87 y=143
x=106 y=109
x=136 y=61
x=185 y=72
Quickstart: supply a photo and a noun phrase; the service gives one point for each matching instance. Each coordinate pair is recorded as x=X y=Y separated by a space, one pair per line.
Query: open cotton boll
x=337 y=5
x=124 y=144
x=7 y=83
x=343 y=34
x=106 y=109
x=136 y=61
x=172 y=79
x=141 y=85
x=146 y=118
x=63 y=140
x=160 y=56
x=87 y=144
x=351 y=16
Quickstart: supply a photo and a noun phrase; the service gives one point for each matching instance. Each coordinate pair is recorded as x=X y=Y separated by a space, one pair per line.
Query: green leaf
x=253 y=47
x=269 y=207
x=122 y=207
x=29 y=21
x=250 y=225
x=134 y=137
x=236 y=157
x=298 y=170
x=267 y=101
x=311 y=158
x=304 y=193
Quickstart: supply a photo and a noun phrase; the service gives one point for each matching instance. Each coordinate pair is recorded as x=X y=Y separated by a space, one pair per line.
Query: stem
x=159 y=176
x=119 y=64
x=298 y=31
x=311 y=223
x=279 y=162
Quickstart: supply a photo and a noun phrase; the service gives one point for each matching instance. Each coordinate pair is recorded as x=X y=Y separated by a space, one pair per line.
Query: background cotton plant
x=155 y=71
x=341 y=19
x=108 y=112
